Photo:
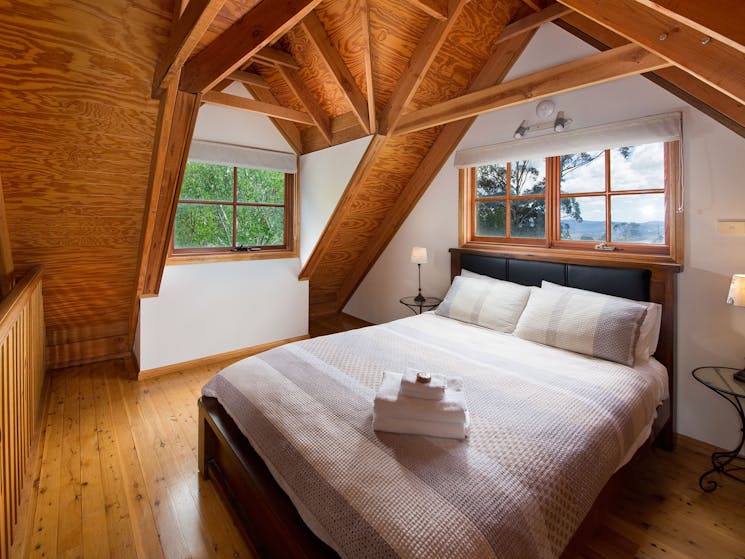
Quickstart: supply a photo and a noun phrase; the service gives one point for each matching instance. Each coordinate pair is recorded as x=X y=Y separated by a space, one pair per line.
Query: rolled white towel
x=432 y=390
x=390 y=404
x=426 y=428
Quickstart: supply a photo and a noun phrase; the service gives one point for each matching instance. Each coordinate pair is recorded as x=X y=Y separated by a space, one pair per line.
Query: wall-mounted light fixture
x=544 y=109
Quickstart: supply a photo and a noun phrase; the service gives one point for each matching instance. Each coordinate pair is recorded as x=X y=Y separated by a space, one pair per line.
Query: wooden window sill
x=205 y=258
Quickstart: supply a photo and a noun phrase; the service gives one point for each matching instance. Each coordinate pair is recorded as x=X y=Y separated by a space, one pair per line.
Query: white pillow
x=600 y=327
x=469 y=274
x=649 y=333
x=488 y=302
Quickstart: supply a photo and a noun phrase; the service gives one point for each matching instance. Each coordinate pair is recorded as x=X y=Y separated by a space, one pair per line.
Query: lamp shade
x=736 y=295
x=419 y=255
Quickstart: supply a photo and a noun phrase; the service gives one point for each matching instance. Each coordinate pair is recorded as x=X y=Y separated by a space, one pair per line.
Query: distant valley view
x=585 y=230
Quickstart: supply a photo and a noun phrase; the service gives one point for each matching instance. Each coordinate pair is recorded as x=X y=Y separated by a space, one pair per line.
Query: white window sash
x=241 y=156
x=656 y=128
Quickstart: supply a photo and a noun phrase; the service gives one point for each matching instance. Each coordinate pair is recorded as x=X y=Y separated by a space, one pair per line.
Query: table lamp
x=736 y=297
x=419 y=257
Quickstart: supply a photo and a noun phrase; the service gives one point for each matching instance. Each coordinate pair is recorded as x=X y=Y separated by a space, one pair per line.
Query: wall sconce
x=544 y=110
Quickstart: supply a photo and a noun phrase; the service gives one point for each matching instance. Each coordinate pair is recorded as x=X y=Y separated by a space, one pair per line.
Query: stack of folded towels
x=406 y=404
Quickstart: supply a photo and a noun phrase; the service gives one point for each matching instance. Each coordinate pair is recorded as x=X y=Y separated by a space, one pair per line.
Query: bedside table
x=721 y=380
x=418 y=307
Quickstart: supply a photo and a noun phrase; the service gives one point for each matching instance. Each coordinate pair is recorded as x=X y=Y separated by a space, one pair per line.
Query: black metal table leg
x=722 y=459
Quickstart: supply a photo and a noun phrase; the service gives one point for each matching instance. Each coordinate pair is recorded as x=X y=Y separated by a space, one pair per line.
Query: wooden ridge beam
x=185 y=36
x=709 y=59
x=276 y=57
x=493 y=72
x=720 y=19
x=338 y=68
x=421 y=60
x=532 y=22
x=249 y=78
x=364 y=13
x=437 y=9
x=606 y=66
x=287 y=129
x=690 y=89
x=259 y=107
x=311 y=105
x=241 y=41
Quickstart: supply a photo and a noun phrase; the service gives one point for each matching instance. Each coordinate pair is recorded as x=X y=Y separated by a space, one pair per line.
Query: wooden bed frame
x=265 y=514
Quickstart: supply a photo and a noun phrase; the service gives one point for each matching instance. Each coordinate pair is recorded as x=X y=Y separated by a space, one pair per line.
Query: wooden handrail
x=12 y=305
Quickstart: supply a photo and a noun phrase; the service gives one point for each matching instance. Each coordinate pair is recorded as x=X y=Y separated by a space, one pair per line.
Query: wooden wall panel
x=76 y=134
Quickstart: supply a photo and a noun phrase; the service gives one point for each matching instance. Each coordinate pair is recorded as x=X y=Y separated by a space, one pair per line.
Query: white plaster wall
x=207 y=309
x=709 y=331
x=324 y=176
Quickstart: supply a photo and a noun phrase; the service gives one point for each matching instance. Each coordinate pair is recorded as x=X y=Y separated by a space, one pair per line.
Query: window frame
x=670 y=251
x=289 y=249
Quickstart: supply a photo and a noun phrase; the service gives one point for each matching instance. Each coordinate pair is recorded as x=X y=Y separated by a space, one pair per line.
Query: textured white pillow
x=649 y=333
x=601 y=327
x=488 y=302
x=469 y=274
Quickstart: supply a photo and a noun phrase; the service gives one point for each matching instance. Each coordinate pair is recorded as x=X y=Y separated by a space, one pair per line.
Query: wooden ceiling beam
x=690 y=89
x=288 y=130
x=422 y=58
x=720 y=19
x=276 y=57
x=309 y=102
x=534 y=5
x=606 y=66
x=185 y=36
x=493 y=72
x=338 y=68
x=532 y=22
x=258 y=107
x=241 y=41
x=707 y=58
x=437 y=9
x=249 y=78
x=364 y=13
x=344 y=128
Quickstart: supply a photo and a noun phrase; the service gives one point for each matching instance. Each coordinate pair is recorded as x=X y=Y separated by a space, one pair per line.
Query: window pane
x=638 y=218
x=204 y=181
x=490 y=219
x=583 y=219
x=638 y=168
x=583 y=172
x=528 y=177
x=491 y=180
x=203 y=225
x=528 y=219
x=260 y=226
x=261 y=186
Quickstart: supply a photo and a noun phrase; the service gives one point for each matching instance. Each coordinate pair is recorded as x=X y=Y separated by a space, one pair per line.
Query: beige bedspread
x=549 y=428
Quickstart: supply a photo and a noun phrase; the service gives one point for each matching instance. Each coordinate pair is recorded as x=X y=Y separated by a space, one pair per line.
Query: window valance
x=241 y=156
x=656 y=128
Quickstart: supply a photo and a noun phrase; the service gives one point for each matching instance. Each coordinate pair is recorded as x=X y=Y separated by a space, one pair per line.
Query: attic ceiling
x=100 y=103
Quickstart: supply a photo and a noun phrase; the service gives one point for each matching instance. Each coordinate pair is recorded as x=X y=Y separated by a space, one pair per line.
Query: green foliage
x=211 y=225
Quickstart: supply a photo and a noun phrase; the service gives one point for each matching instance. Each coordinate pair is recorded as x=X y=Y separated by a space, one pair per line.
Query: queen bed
x=287 y=435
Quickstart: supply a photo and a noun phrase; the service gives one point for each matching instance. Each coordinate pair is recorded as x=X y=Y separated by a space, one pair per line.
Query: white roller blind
x=657 y=128
x=241 y=156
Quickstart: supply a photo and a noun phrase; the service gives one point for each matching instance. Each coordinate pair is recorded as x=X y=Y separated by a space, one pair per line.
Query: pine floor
x=119 y=479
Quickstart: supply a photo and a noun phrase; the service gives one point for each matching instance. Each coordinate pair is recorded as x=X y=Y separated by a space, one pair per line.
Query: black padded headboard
x=632 y=283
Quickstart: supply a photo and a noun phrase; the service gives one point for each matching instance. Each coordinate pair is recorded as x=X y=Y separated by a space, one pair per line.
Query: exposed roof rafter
x=364 y=16
x=249 y=78
x=288 y=130
x=185 y=35
x=532 y=21
x=258 y=107
x=590 y=70
x=437 y=9
x=309 y=102
x=709 y=59
x=241 y=41
x=338 y=68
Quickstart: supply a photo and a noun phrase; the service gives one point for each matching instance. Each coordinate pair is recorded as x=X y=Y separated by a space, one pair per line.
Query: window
x=621 y=199
x=233 y=209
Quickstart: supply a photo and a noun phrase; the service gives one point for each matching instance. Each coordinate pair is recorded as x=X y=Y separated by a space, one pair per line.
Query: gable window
x=621 y=200
x=234 y=210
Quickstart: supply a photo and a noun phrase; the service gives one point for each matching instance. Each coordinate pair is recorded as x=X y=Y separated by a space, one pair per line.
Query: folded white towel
x=390 y=404
x=426 y=428
x=432 y=390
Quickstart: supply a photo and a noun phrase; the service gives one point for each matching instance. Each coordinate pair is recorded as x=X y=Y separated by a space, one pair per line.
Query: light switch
x=731 y=227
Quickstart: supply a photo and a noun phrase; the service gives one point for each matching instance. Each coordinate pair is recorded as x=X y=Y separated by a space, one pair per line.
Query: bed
x=315 y=479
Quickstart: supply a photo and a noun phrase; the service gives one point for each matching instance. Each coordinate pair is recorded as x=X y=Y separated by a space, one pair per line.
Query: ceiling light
x=560 y=122
x=521 y=130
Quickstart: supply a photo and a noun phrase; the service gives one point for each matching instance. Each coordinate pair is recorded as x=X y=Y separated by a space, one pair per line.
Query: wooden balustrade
x=21 y=388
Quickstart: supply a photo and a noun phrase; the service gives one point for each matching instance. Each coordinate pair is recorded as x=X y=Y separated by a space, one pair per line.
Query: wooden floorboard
x=119 y=479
